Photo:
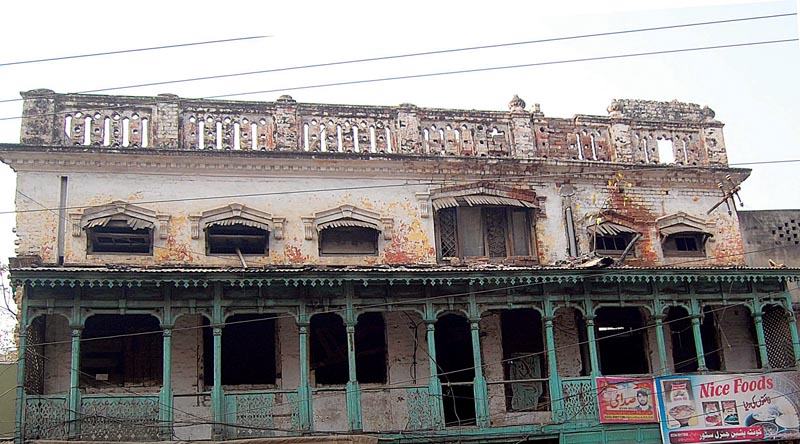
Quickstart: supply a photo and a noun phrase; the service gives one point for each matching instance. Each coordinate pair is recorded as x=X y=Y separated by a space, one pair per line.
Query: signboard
x=729 y=408
x=626 y=400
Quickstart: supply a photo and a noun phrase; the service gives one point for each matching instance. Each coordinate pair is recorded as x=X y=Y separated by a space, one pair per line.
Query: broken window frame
x=621 y=325
x=675 y=245
x=370 y=237
x=619 y=242
x=117 y=237
x=525 y=372
x=525 y=235
x=121 y=351
x=248 y=234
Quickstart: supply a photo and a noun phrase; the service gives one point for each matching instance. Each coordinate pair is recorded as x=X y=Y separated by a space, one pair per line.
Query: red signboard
x=626 y=400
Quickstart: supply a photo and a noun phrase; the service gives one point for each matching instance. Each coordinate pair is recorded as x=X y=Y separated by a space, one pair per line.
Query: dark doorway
x=248 y=351
x=621 y=341
x=329 y=349
x=456 y=369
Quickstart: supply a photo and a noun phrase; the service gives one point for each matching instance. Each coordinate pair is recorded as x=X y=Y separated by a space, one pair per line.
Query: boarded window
x=348 y=241
x=248 y=351
x=621 y=341
x=237 y=238
x=685 y=244
x=121 y=350
x=487 y=231
x=118 y=237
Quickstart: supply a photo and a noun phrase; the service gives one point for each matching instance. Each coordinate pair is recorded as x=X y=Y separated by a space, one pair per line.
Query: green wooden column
x=165 y=415
x=697 y=314
x=790 y=318
x=217 y=394
x=662 y=345
x=762 y=343
x=353 y=390
x=479 y=387
x=23 y=344
x=304 y=407
x=556 y=403
x=74 y=380
x=434 y=385
x=594 y=362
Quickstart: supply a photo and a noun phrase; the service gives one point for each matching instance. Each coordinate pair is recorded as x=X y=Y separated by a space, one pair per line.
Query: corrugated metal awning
x=346 y=223
x=478 y=200
x=132 y=222
x=611 y=229
x=682 y=228
x=239 y=221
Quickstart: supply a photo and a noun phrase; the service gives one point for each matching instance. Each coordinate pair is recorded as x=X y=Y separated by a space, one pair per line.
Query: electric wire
x=177 y=45
x=431 y=52
x=464 y=71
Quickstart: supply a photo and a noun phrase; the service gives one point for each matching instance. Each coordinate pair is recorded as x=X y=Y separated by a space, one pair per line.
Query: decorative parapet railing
x=46 y=417
x=579 y=400
x=635 y=131
x=119 y=418
x=260 y=414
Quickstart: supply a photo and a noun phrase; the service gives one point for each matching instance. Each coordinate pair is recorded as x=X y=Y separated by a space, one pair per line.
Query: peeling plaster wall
x=568 y=353
x=57 y=355
x=187 y=374
x=738 y=343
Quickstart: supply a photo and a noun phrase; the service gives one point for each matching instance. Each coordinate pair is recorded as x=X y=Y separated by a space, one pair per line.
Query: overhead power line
x=432 y=52
x=466 y=71
x=126 y=51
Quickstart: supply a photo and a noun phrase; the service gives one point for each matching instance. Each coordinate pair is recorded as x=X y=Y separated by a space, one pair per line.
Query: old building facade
x=197 y=269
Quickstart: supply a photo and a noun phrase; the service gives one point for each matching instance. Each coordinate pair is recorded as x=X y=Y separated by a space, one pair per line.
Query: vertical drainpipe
x=23 y=344
x=353 y=391
x=696 y=315
x=434 y=385
x=479 y=388
x=566 y=192
x=62 y=218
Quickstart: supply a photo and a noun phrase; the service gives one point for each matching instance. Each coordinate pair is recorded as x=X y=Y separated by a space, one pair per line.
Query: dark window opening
x=583 y=343
x=348 y=241
x=489 y=231
x=370 y=341
x=237 y=238
x=685 y=244
x=710 y=338
x=329 y=349
x=132 y=354
x=118 y=237
x=455 y=365
x=612 y=245
x=248 y=351
x=684 y=352
x=621 y=341
x=524 y=361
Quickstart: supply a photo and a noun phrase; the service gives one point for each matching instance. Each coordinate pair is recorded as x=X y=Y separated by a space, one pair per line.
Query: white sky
x=754 y=90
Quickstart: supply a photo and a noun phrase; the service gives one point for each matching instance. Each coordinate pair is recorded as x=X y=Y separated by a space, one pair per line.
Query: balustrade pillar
x=762 y=343
x=434 y=385
x=217 y=394
x=73 y=429
x=353 y=389
x=165 y=414
x=304 y=407
x=479 y=388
